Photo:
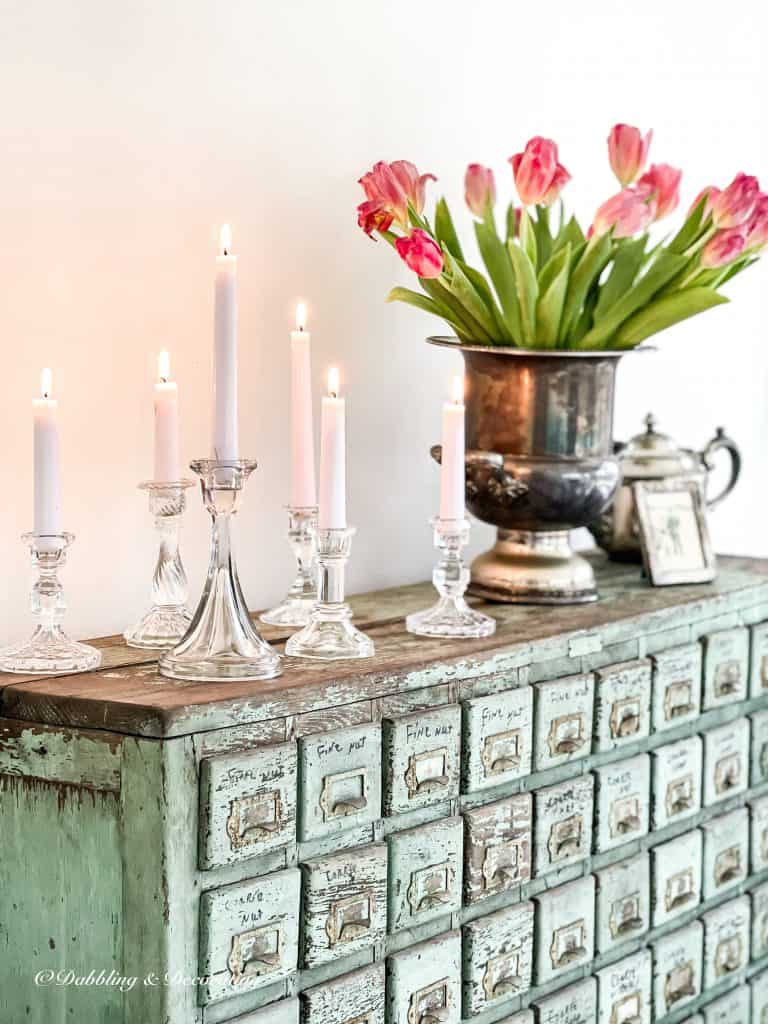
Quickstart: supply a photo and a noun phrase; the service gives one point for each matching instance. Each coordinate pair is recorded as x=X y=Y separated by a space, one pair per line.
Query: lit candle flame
x=46 y=383
x=457 y=391
x=163 y=366
x=333 y=382
x=301 y=316
x=225 y=239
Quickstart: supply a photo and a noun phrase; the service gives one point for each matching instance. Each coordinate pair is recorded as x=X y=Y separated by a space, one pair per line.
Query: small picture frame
x=674 y=535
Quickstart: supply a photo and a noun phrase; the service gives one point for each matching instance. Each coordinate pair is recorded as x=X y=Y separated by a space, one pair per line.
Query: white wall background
x=130 y=131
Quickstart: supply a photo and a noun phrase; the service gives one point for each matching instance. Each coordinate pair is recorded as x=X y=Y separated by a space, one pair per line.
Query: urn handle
x=722 y=441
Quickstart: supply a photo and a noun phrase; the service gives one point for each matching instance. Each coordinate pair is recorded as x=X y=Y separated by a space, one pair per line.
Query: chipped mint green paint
x=726 y=666
x=497 y=736
x=421 y=758
x=497 y=958
x=358 y=996
x=563 y=720
x=677 y=968
x=425 y=873
x=423 y=982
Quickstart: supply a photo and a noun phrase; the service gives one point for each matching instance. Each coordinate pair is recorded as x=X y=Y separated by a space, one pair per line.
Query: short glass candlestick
x=297 y=607
x=49 y=649
x=451 y=615
x=168 y=618
x=330 y=634
x=222 y=642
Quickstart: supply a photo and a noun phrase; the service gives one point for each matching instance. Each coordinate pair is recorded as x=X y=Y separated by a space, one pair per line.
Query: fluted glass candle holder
x=222 y=642
x=49 y=649
x=168 y=618
x=297 y=607
x=451 y=615
x=330 y=634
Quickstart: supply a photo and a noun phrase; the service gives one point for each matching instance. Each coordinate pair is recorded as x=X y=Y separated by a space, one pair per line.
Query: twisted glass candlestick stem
x=49 y=649
x=297 y=607
x=168 y=618
x=330 y=634
x=451 y=615
x=222 y=642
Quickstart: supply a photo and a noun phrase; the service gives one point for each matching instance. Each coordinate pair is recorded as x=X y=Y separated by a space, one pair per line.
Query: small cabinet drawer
x=759 y=898
x=726 y=666
x=622 y=704
x=758 y=985
x=247 y=804
x=421 y=758
x=496 y=746
x=677 y=962
x=621 y=801
x=732 y=1008
x=758 y=660
x=249 y=934
x=340 y=776
x=565 y=928
x=574 y=1004
x=624 y=991
x=562 y=817
x=497 y=958
x=497 y=847
x=425 y=873
x=726 y=852
x=676 y=869
x=424 y=983
x=677 y=771
x=726 y=940
x=676 y=686
x=758 y=770
x=758 y=835
x=356 y=998
x=726 y=761
x=623 y=902
x=345 y=903
x=284 y=1012
x=563 y=720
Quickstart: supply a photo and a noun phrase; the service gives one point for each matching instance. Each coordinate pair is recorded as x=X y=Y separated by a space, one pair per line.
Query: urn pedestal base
x=527 y=567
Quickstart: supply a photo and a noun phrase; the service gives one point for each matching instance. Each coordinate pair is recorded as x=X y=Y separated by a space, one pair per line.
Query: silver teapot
x=655 y=456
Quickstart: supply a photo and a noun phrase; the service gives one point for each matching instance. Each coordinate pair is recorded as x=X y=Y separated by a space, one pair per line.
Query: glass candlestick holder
x=330 y=634
x=49 y=649
x=297 y=607
x=451 y=615
x=222 y=642
x=168 y=618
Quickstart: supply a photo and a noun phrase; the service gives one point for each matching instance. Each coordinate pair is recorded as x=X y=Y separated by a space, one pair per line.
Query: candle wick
x=332 y=394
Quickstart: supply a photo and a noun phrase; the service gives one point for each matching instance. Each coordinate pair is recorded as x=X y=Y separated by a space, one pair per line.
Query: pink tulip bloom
x=559 y=181
x=711 y=192
x=421 y=253
x=734 y=205
x=626 y=213
x=662 y=183
x=757 y=227
x=392 y=187
x=479 y=189
x=373 y=216
x=536 y=171
x=627 y=152
x=723 y=247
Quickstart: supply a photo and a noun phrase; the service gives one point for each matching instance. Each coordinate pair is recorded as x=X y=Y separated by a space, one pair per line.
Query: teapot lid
x=652 y=454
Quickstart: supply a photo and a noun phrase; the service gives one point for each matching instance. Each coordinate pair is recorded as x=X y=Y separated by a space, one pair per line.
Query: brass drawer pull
x=625 y=717
x=728 y=956
x=727 y=678
x=255 y=952
x=625 y=816
x=565 y=838
x=502 y=975
x=679 y=984
x=728 y=865
x=568 y=944
x=350 y=918
x=502 y=752
x=679 y=796
x=427 y=772
x=252 y=818
x=727 y=773
x=430 y=887
x=625 y=915
x=567 y=734
x=429 y=1005
x=679 y=889
x=503 y=862
x=677 y=701
x=627 y=1010
x=344 y=793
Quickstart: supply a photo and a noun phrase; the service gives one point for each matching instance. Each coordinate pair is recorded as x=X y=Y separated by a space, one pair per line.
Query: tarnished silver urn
x=540 y=463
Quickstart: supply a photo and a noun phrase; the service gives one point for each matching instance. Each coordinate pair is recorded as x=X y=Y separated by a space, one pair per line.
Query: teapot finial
x=650 y=423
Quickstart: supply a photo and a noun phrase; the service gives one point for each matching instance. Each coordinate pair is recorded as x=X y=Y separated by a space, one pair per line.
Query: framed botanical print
x=673 y=532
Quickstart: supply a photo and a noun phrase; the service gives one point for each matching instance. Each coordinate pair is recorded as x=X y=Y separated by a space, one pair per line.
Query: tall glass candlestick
x=49 y=649
x=222 y=642
x=296 y=608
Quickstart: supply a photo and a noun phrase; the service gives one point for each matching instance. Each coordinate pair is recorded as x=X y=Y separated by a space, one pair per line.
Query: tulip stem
x=701 y=242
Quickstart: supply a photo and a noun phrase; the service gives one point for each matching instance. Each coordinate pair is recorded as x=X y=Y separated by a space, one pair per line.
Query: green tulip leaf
x=467 y=328
x=428 y=305
x=497 y=262
x=527 y=290
x=627 y=262
x=462 y=288
x=445 y=230
x=553 y=284
x=593 y=261
x=664 y=312
x=528 y=238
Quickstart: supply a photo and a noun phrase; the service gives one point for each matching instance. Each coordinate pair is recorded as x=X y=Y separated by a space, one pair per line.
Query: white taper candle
x=47 y=467
x=452 y=472
x=303 y=489
x=225 y=444
x=332 y=513
x=166 y=422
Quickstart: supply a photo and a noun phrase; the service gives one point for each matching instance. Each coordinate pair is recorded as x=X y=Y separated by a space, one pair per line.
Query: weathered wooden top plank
x=136 y=700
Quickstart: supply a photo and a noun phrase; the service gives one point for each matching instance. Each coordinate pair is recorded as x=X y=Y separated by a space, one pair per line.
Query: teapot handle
x=718 y=442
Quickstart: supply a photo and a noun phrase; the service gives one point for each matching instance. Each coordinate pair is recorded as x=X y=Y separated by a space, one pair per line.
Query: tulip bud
x=627 y=152
x=625 y=213
x=734 y=205
x=373 y=216
x=662 y=183
x=536 y=171
x=711 y=192
x=420 y=253
x=479 y=189
x=723 y=248
x=757 y=228
x=389 y=188
x=559 y=181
